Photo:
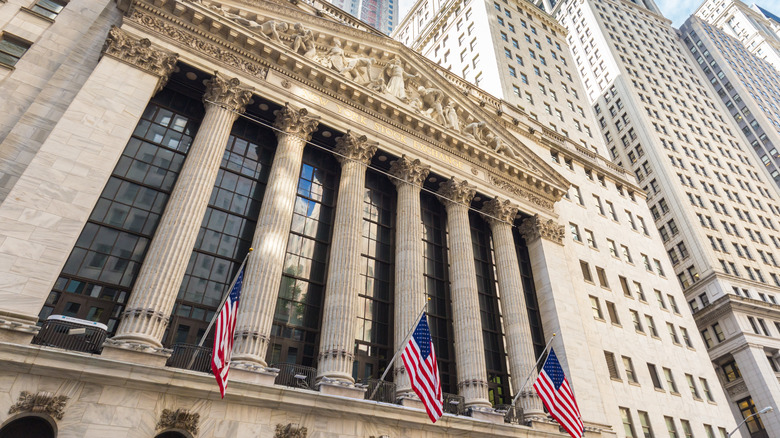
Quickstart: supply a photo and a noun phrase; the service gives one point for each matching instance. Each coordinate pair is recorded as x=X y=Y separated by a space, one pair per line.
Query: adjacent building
x=381 y=14
x=714 y=205
x=755 y=27
x=370 y=183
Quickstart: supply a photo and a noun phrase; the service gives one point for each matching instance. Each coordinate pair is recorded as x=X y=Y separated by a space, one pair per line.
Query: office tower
x=381 y=14
x=748 y=86
x=755 y=27
x=715 y=207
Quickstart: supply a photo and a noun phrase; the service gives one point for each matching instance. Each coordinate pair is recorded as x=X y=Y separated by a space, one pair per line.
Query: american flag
x=223 y=335
x=554 y=390
x=420 y=361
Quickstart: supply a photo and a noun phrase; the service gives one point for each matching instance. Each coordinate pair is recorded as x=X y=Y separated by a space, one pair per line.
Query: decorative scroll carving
x=297 y=122
x=40 y=403
x=140 y=53
x=290 y=431
x=409 y=171
x=179 y=419
x=502 y=211
x=456 y=192
x=355 y=148
x=522 y=193
x=534 y=228
x=227 y=93
x=187 y=39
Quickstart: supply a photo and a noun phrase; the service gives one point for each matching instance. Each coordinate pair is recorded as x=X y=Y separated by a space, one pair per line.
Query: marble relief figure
x=396 y=85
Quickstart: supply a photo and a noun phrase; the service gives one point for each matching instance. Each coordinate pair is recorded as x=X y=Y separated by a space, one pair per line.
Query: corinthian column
x=517 y=332
x=265 y=265
x=337 y=338
x=409 y=280
x=466 y=319
x=154 y=294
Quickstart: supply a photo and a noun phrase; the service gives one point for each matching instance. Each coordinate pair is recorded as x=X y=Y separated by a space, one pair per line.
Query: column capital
x=296 y=122
x=139 y=53
x=499 y=211
x=227 y=93
x=355 y=148
x=456 y=193
x=535 y=227
x=409 y=171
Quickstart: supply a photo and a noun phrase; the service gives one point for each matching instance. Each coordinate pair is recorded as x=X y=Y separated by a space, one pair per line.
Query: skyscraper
x=638 y=327
x=381 y=14
x=715 y=206
x=748 y=86
x=757 y=28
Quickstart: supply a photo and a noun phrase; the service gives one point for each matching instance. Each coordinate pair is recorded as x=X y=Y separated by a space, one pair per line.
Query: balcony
x=454 y=404
x=295 y=376
x=379 y=390
x=190 y=357
x=72 y=334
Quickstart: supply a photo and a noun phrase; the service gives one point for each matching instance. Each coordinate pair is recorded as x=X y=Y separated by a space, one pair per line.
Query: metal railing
x=512 y=414
x=71 y=334
x=190 y=357
x=454 y=404
x=295 y=376
x=385 y=391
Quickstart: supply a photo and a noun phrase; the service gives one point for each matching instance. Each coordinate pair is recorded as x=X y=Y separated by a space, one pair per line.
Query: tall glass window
x=437 y=287
x=296 y=327
x=490 y=311
x=226 y=232
x=103 y=265
x=374 y=330
x=531 y=302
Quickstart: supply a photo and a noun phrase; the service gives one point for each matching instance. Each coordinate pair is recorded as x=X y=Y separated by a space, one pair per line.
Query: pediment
x=311 y=42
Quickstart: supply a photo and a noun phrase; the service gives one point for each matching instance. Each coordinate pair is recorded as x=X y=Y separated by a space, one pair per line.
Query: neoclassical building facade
x=370 y=185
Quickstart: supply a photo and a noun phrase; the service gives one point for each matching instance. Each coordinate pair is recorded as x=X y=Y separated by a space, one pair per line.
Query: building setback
x=714 y=206
x=371 y=184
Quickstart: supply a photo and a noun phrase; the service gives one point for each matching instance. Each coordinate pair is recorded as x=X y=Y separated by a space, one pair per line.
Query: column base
x=135 y=353
x=487 y=414
x=542 y=423
x=254 y=374
x=340 y=388
x=17 y=328
x=411 y=402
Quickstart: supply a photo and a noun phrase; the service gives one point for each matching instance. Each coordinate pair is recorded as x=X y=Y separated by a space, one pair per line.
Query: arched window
x=29 y=426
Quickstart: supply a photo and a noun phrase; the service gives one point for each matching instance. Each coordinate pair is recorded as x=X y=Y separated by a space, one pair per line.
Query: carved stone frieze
x=140 y=53
x=179 y=419
x=409 y=171
x=227 y=93
x=501 y=211
x=40 y=403
x=355 y=148
x=534 y=228
x=296 y=122
x=290 y=431
x=190 y=41
x=521 y=192
x=456 y=192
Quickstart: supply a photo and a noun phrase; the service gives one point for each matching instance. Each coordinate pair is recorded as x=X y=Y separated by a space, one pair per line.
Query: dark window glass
x=374 y=331
x=437 y=287
x=531 y=303
x=495 y=357
x=226 y=231
x=296 y=327
x=102 y=267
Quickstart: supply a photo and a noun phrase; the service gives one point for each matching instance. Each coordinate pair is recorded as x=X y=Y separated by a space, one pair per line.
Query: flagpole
x=514 y=400
x=403 y=345
x=224 y=298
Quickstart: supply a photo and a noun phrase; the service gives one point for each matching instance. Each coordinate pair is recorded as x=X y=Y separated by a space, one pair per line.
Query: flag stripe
x=555 y=392
x=223 y=334
x=419 y=359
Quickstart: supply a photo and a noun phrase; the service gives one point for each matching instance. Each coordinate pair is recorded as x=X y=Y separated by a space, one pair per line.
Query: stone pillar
x=517 y=332
x=409 y=273
x=761 y=383
x=466 y=319
x=153 y=296
x=337 y=337
x=45 y=211
x=264 y=268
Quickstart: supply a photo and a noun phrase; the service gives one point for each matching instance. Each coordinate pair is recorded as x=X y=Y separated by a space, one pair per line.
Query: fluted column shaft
x=517 y=331
x=152 y=299
x=466 y=319
x=337 y=336
x=409 y=274
x=266 y=264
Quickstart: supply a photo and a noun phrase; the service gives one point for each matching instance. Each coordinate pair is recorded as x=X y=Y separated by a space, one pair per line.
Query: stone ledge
x=341 y=389
x=135 y=353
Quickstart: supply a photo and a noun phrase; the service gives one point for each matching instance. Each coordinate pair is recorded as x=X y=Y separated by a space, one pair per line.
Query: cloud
x=678 y=10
